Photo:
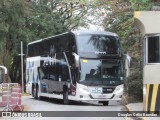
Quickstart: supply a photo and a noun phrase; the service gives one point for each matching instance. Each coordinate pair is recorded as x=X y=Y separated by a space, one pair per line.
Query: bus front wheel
x=38 y=93
x=65 y=96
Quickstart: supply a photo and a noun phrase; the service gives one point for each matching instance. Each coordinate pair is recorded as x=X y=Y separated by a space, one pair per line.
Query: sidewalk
x=135 y=107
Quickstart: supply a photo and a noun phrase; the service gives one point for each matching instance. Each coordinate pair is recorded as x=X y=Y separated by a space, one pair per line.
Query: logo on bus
x=109 y=90
x=102 y=53
x=30 y=64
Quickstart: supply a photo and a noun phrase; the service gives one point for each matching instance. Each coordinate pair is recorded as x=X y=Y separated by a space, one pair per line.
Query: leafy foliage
x=29 y=20
x=134 y=86
x=11 y=23
x=120 y=20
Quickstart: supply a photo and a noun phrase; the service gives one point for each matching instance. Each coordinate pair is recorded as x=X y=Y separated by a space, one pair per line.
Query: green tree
x=30 y=20
x=11 y=24
x=120 y=20
x=52 y=17
x=12 y=29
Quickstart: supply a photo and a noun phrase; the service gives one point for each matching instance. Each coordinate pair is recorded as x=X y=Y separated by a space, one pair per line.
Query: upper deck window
x=50 y=46
x=97 y=43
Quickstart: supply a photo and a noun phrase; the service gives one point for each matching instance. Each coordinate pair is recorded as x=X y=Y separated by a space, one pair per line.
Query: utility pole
x=22 y=67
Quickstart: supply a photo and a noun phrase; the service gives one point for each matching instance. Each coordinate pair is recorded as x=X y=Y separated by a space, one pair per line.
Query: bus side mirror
x=76 y=58
x=3 y=74
x=128 y=60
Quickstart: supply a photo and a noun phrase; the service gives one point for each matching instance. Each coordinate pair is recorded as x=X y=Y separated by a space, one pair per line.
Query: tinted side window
x=49 y=47
x=35 y=49
x=62 y=67
x=30 y=49
x=72 y=43
x=66 y=43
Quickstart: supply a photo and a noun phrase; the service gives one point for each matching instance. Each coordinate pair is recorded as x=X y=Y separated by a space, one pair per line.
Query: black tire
x=65 y=96
x=37 y=93
x=105 y=103
x=34 y=92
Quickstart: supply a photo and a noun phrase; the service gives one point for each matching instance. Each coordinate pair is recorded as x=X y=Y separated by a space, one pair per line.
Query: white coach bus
x=80 y=66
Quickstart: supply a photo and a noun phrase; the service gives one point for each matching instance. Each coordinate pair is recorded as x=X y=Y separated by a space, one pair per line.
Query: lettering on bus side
x=30 y=64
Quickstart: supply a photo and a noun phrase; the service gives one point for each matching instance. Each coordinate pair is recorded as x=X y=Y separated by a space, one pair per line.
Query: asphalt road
x=51 y=106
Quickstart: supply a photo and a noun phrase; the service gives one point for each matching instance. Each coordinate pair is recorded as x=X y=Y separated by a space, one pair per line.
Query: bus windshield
x=97 y=43
x=101 y=72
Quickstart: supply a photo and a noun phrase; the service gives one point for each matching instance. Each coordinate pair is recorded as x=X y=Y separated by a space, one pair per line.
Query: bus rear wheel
x=34 y=92
x=65 y=96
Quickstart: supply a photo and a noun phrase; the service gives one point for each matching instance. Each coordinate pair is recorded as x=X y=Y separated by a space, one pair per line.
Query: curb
x=125 y=103
x=132 y=118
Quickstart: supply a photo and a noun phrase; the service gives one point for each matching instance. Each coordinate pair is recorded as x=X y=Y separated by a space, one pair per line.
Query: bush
x=133 y=86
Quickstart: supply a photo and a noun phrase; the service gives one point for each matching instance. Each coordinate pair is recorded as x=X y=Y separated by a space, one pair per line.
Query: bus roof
x=48 y=38
x=94 y=32
x=77 y=33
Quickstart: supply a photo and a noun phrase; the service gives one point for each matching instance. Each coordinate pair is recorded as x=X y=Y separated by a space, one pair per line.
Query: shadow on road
x=77 y=103
x=60 y=102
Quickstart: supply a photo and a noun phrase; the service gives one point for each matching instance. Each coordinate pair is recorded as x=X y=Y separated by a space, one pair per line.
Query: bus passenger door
x=52 y=81
x=43 y=75
x=72 y=65
x=62 y=72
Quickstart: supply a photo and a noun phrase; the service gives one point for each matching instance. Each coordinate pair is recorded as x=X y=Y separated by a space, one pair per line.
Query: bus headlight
x=84 y=90
x=119 y=90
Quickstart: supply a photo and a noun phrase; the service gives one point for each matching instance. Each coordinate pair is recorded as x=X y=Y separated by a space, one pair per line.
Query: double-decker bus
x=80 y=66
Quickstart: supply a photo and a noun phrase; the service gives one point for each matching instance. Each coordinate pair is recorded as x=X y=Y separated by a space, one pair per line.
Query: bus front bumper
x=101 y=97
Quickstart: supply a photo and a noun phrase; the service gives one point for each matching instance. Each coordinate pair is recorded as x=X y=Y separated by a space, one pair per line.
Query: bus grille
x=108 y=90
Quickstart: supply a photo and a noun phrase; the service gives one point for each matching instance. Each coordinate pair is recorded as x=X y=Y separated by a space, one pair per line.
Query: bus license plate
x=101 y=96
x=96 y=90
